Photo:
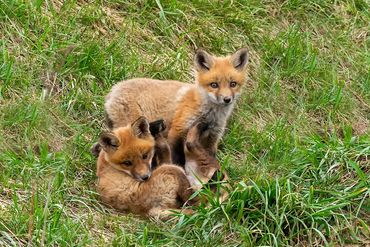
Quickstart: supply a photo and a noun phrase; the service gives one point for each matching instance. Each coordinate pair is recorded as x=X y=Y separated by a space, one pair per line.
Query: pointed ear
x=108 y=141
x=156 y=127
x=141 y=127
x=203 y=60
x=240 y=59
x=192 y=136
x=207 y=135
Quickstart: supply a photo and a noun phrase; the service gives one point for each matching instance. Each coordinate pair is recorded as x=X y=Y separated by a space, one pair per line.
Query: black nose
x=145 y=177
x=227 y=100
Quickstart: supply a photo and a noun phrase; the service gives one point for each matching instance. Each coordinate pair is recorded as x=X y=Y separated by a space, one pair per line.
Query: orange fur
x=219 y=82
x=180 y=104
x=201 y=164
x=121 y=184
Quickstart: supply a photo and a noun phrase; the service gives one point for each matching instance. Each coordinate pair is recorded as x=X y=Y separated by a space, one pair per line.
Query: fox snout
x=143 y=177
x=226 y=99
x=143 y=172
x=221 y=99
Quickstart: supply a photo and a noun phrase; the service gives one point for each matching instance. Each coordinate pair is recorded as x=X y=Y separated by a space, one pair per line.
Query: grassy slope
x=298 y=145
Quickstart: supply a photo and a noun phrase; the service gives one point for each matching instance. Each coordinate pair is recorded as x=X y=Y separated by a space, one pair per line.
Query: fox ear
x=156 y=127
x=108 y=141
x=240 y=59
x=193 y=134
x=203 y=60
x=141 y=127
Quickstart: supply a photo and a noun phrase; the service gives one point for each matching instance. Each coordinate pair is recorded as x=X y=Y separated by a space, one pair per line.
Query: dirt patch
x=361 y=126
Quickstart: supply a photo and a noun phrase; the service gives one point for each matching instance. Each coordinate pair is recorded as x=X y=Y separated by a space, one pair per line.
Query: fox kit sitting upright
x=126 y=181
x=218 y=83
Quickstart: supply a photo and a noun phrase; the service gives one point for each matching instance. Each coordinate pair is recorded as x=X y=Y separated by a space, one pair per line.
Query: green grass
x=297 y=147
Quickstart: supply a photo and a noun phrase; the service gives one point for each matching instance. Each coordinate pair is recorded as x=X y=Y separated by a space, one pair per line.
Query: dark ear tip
x=157 y=126
x=244 y=52
x=189 y=145
x=203 y=60
x=141 y=127
x=161 y=124
x=199 y=51
x=240 y=58
x=104 y=134
x=95 y=150
x=141 y=119
x=108 y=139
x=244 y=49
x=201 y=54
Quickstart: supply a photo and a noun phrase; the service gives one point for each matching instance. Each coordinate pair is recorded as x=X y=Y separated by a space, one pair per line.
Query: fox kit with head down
x=201 y=165
x=218 y=83
x=126 y=181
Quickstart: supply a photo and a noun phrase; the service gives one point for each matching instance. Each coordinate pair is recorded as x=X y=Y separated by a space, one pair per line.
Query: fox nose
x=227 y=100
x=145 y=177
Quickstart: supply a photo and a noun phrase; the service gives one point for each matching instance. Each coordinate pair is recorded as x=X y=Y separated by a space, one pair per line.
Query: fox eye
x=126 y=163
x=233 y=84
x=145 y=156
x=214 y=85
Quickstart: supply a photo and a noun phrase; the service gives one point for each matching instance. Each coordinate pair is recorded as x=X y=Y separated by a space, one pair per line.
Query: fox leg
x=176 y=142
x=177 y=150
x=163 y=151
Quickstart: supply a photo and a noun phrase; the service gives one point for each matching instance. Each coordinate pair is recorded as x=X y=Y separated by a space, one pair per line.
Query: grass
x=297 y=147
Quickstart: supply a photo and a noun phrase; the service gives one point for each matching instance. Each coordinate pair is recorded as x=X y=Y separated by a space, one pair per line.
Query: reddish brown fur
x=222 y=72
x=179 y=104
x=228 y=73
x=154 y=99
x=189 y=107
x=162 y=154
x=162 y=151
x=119 y=187
x=201 y=164
x=131 y=148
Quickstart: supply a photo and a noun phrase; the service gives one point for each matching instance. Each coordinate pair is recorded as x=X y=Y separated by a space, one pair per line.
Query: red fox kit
x=218 y=83
x=126 y=181
x=201 y=165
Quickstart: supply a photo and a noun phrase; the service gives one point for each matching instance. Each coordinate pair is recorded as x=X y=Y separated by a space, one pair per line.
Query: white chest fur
x=217 y=115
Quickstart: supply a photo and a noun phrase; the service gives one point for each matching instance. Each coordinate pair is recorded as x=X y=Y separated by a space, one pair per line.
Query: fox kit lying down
x=218 y=83
x=126 y=181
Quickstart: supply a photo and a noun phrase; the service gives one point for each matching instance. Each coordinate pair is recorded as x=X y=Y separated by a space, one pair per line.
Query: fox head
x=221 y=78
x=130 y=149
